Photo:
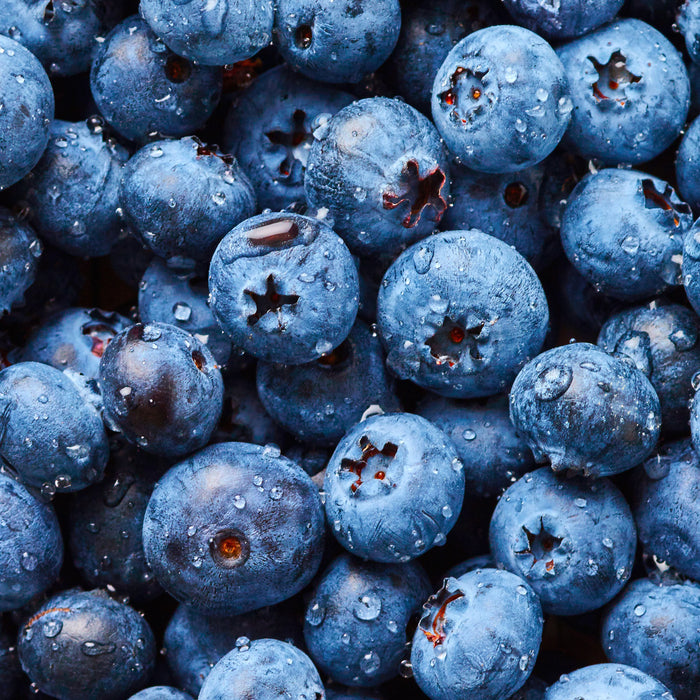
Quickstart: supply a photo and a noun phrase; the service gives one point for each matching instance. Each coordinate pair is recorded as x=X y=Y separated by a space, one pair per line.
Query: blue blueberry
x=687 y=164
x=31 y=546
x=182 y=197
x=656 y=629
x=478 y=637
x=572 y=540
x=20 y=250
x=86 y=646
x=233 y=528
x=311 y=458
x=284 y=287
x=394 y=488
x=667 y=507
x=213 y=34
x=460 y=313
x=583 y=410
x=160 y=692
x=129 y=258
x=662 y=339
x=493 y=453
x=357 y=616
x=689 y=25
x=630 y=92
x=51 y=437
x=623 y=231
x=161 y=388
x=265 y=669
x=28 y=107
x=380 y=168
x=500 y=99
x=607 y=682
x=481 y=561
x=141 y=87
x=320 y=401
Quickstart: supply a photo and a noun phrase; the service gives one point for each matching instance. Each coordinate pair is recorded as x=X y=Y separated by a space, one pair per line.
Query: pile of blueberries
x=348 y=349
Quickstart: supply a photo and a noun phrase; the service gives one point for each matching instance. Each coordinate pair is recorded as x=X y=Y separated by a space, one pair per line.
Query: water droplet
x=370 y=663
x=28 y=561
x=315 y=614
x=446 y=512
x=52 y=628
x=367 y=607
x=239 y=502
x=182 y=311
x=469 y=435
x=580 y=502
x=630 y=244
x=553 y=382
x=275 y=493
x=97 y=648
x=510 y=74
x=639 y=610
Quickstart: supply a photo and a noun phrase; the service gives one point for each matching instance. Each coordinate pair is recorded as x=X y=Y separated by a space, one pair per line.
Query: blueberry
x=233 y=528
x=584 y=410
x=607 y=682
x=623 y=231
x=689 y=25
x=212 y=34
x=162 y=388
x=182 y=197
x=51 y=437
x=129 y=258
x=336 y=42
x=667 y=510
x=86 y=646
x=500 y=99
x=534 y=689
x=381 y=170
x=160 y=692
x=357 y=616
x=320 y=401
x=662 y=339
x=686 y=164
x=493 y=452
x=478 y=637
x=655 y=629
x=481 y=561
x=460 y=313
x=28 y=106
x=630 y=92
x=284 y=287
x=74 y=339
x=141 y=87
x=394 y=488
x=572 y=540
x=31 y=547
x=270 y=130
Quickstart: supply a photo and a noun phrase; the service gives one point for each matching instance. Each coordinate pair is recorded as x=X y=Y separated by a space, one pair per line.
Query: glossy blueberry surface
x=686 y=164
x=20 y=250
x=689 y=25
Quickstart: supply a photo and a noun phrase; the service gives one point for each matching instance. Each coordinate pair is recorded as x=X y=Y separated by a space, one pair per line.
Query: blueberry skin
x=20 y=250
x=662 y=339
x=623 y=231
x=320 y=401
x=270 y=129
x=500 y=99
x=162 y=388
x=28 y=106
x=336 y=42
x=216 y=35
x=460 y=313
x=132 y=75
x=86 y=646
x=607 y=682
x=74 y=339
x=584 y=410
x=380 y=168
x=686 y=164
x=655 y=629
x=689 y=25
x=565 y=19
x=51 y=436
x=428 y=33
x=31 y=546
x=233 y=528
x=493 y=452
x=284 y=287
x=478 y=637
x=635 y=112
x=182 y=197
x=504 y=206
x=572 y=540
x=394 y=488
x=667 y=507
x=160 y=692
x=265 y=669
x=357 y=616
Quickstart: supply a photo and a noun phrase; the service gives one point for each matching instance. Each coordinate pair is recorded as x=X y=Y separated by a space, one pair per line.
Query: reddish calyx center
x=418 y=193
x=230 y=547
x=613 y=76
x=436 y=633
x=369 y=451
x=653 y=199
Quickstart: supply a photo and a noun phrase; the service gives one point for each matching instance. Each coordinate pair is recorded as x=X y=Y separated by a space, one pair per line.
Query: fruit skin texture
x=689 y=25
x=585 y=411
x=483 y=631
x=687 y=164
x=233 y=528
x=261 y=669
x=500 y=99
x=20 y=250
x=95 y=647
x=371 y=604
x=460 y=313
x=160 y=692
x=31 y=546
